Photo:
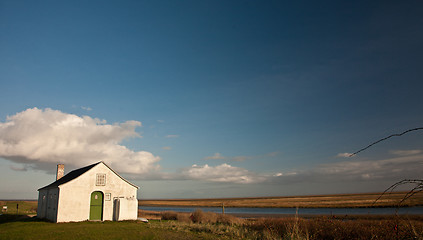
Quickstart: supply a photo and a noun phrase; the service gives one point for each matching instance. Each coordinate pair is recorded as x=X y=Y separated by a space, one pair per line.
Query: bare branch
x=417 y=189
x=413 y=191
x=419 y=182
x=383 y=139
x=392 y=188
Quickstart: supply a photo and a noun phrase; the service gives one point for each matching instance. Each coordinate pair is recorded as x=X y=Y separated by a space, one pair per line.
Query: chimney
x=60 y=171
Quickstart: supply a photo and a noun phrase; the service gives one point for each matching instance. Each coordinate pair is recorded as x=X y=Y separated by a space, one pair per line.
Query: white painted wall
x=75 y=195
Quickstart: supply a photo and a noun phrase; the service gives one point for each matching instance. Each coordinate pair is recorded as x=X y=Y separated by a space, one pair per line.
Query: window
x=108 y=196
x=101 y=179
x=50 y=202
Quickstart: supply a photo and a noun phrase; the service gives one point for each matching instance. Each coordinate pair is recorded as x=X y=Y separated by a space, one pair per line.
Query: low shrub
x=324 y=227
x=184 y=217
x=169 y=215
x=328 y=228
x=229 y=219
x=198 y=216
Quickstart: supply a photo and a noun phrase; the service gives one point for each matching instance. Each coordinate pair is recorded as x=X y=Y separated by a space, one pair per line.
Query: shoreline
x=361 y=200
x=293 y=207
x=156 y=215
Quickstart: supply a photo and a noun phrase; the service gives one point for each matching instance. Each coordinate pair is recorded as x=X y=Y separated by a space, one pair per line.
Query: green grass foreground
x=30 y=229
x=213 y=226
x=207 y=225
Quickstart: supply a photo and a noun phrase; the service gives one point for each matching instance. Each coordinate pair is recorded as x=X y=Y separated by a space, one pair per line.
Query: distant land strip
x=316 y=201
x=360 y=200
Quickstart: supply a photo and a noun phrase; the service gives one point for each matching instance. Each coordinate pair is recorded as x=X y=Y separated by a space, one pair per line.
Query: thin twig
x=419 y=182
x=417 y=189
x=383 y=139
x=413 y=191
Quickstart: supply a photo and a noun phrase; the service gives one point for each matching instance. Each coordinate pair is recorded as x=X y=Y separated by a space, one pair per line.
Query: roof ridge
x=70 y=176
x=78 y=172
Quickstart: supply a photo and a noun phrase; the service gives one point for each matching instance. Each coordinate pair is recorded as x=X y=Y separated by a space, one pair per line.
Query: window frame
x=100 y=179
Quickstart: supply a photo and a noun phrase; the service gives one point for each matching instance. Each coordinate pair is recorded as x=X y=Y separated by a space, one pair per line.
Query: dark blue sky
x=268 y=88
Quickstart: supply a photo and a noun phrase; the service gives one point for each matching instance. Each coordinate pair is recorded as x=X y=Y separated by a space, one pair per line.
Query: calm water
x=319 y=211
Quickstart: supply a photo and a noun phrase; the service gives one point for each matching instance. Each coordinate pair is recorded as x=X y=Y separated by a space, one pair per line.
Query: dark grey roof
x=70 y=176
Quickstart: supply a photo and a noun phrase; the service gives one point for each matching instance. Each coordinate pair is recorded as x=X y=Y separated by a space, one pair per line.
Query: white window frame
x=100 y=179
x=108 y=197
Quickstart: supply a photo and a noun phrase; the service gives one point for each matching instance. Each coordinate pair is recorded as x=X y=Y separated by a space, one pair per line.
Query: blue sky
x=211 y=98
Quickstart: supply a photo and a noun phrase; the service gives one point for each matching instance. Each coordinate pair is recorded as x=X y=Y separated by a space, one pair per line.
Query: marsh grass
x=220 y=231
x=325 y=227
x=198 y=216
x=388 y=227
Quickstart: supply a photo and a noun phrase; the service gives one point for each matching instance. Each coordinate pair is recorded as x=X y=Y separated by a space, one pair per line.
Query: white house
x=94 y=192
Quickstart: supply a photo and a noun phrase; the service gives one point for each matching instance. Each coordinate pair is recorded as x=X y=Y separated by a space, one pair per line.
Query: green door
x=96 y=206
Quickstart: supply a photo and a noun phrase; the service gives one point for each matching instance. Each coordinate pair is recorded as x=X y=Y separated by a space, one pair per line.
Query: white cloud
x=42 y=138
x=222 y=173
x=405 y=152
x=385 y=168
x=393 y=168
x=344 y=155
x=86 y=108
x=285 y=174
x=39 y=139
x=216 y=156
x=171 y=136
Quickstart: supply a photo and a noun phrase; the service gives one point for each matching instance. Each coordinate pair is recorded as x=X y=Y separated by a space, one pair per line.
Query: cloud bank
x=395 y=168
x=222 y=173
x=406 y=152
x=41 y=138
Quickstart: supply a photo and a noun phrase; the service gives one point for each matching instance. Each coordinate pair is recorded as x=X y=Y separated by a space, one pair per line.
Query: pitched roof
x=70 y=176
x=120 y=175
x=78 y=172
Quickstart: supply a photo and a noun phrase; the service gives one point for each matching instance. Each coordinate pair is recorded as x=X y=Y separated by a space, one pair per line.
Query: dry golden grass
x=320 y=227
x=151 y=215
x=342 y=200
x=390 y=227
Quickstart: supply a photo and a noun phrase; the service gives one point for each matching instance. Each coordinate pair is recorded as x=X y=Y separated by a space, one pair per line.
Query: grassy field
x=30 y=229
x=200 y=225
x=344 y=200
x=207 y=225
x=25 y=207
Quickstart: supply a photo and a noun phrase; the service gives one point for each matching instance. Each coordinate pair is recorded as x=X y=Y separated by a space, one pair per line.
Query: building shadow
x=6 y=218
